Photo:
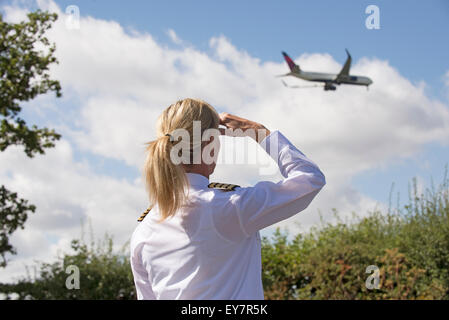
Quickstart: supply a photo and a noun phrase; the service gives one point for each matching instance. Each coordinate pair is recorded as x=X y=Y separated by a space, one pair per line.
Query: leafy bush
x=104 y=275
x=410 y=248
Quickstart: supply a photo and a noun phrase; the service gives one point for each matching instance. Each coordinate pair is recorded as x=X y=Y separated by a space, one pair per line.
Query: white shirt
x=211 y=248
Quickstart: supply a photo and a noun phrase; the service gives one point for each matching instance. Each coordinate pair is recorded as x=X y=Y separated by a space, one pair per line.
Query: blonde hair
x=166 y=182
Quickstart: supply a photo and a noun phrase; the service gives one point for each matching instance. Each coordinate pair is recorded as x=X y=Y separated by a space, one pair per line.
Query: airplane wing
x=298 y=87
x=345 y=70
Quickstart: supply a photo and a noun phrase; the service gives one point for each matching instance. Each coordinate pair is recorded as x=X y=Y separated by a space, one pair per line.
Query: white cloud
x=446 y=82
x=66 y=193
x=173 y=36
x=14 y=15
x=121 y=82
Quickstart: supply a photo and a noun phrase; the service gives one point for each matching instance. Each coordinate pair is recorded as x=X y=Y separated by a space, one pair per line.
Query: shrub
x=410 y=247
x=104 y=275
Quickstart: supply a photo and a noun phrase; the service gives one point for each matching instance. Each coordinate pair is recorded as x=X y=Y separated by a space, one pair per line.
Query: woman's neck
x=201 y=169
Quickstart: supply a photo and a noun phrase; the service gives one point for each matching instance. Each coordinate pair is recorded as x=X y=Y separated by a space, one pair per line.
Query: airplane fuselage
x=332 y=78
x=329 y=79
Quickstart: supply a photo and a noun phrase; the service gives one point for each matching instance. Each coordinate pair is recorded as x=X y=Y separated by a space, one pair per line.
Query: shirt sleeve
x=141 y=279
x=267 y=203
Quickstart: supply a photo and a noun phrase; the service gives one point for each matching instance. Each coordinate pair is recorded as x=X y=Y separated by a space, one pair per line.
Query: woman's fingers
x=223 y=117
x=233 y=121
x=247 y=127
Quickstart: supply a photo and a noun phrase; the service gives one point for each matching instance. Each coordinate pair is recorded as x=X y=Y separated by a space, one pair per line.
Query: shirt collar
x=197 y=180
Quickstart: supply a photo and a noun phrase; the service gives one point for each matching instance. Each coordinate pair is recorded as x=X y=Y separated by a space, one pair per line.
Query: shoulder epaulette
x=143 y=215
x=223 y=186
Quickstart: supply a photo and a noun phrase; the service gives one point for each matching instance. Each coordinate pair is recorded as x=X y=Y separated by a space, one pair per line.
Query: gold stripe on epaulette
x=143 y=215
x=223 y=186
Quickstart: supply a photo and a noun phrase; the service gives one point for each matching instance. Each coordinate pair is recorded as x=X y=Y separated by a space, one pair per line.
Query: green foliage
x=25 y=57
x=13 y=214
x=24 y=71
x=410 y=248
x=104 y=274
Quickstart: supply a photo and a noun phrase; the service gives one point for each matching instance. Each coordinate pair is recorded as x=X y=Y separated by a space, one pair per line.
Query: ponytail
x=166 y=182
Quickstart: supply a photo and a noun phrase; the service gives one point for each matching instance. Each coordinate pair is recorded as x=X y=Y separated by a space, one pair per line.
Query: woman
x=199 y=242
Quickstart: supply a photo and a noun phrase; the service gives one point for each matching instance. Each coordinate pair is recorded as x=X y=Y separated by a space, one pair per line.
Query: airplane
x=329 y=79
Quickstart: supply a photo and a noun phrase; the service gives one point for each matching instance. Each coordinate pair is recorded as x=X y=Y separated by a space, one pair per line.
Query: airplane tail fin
x=294 y=68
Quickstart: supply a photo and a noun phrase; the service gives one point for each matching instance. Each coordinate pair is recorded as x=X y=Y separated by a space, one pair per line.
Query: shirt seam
x=286 y=146
x=218 y=233
x=240 y=222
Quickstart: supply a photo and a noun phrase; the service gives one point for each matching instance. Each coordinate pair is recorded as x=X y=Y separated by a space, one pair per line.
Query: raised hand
x=242 y=127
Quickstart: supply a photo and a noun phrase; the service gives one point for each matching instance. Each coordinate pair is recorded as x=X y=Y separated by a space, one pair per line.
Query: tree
x=103 y=274
x=13 y=214
x=25 y=57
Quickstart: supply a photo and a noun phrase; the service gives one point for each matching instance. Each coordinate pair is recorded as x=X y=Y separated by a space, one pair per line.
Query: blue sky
x=363 y=140
x=412 y=37
x=412 y=34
